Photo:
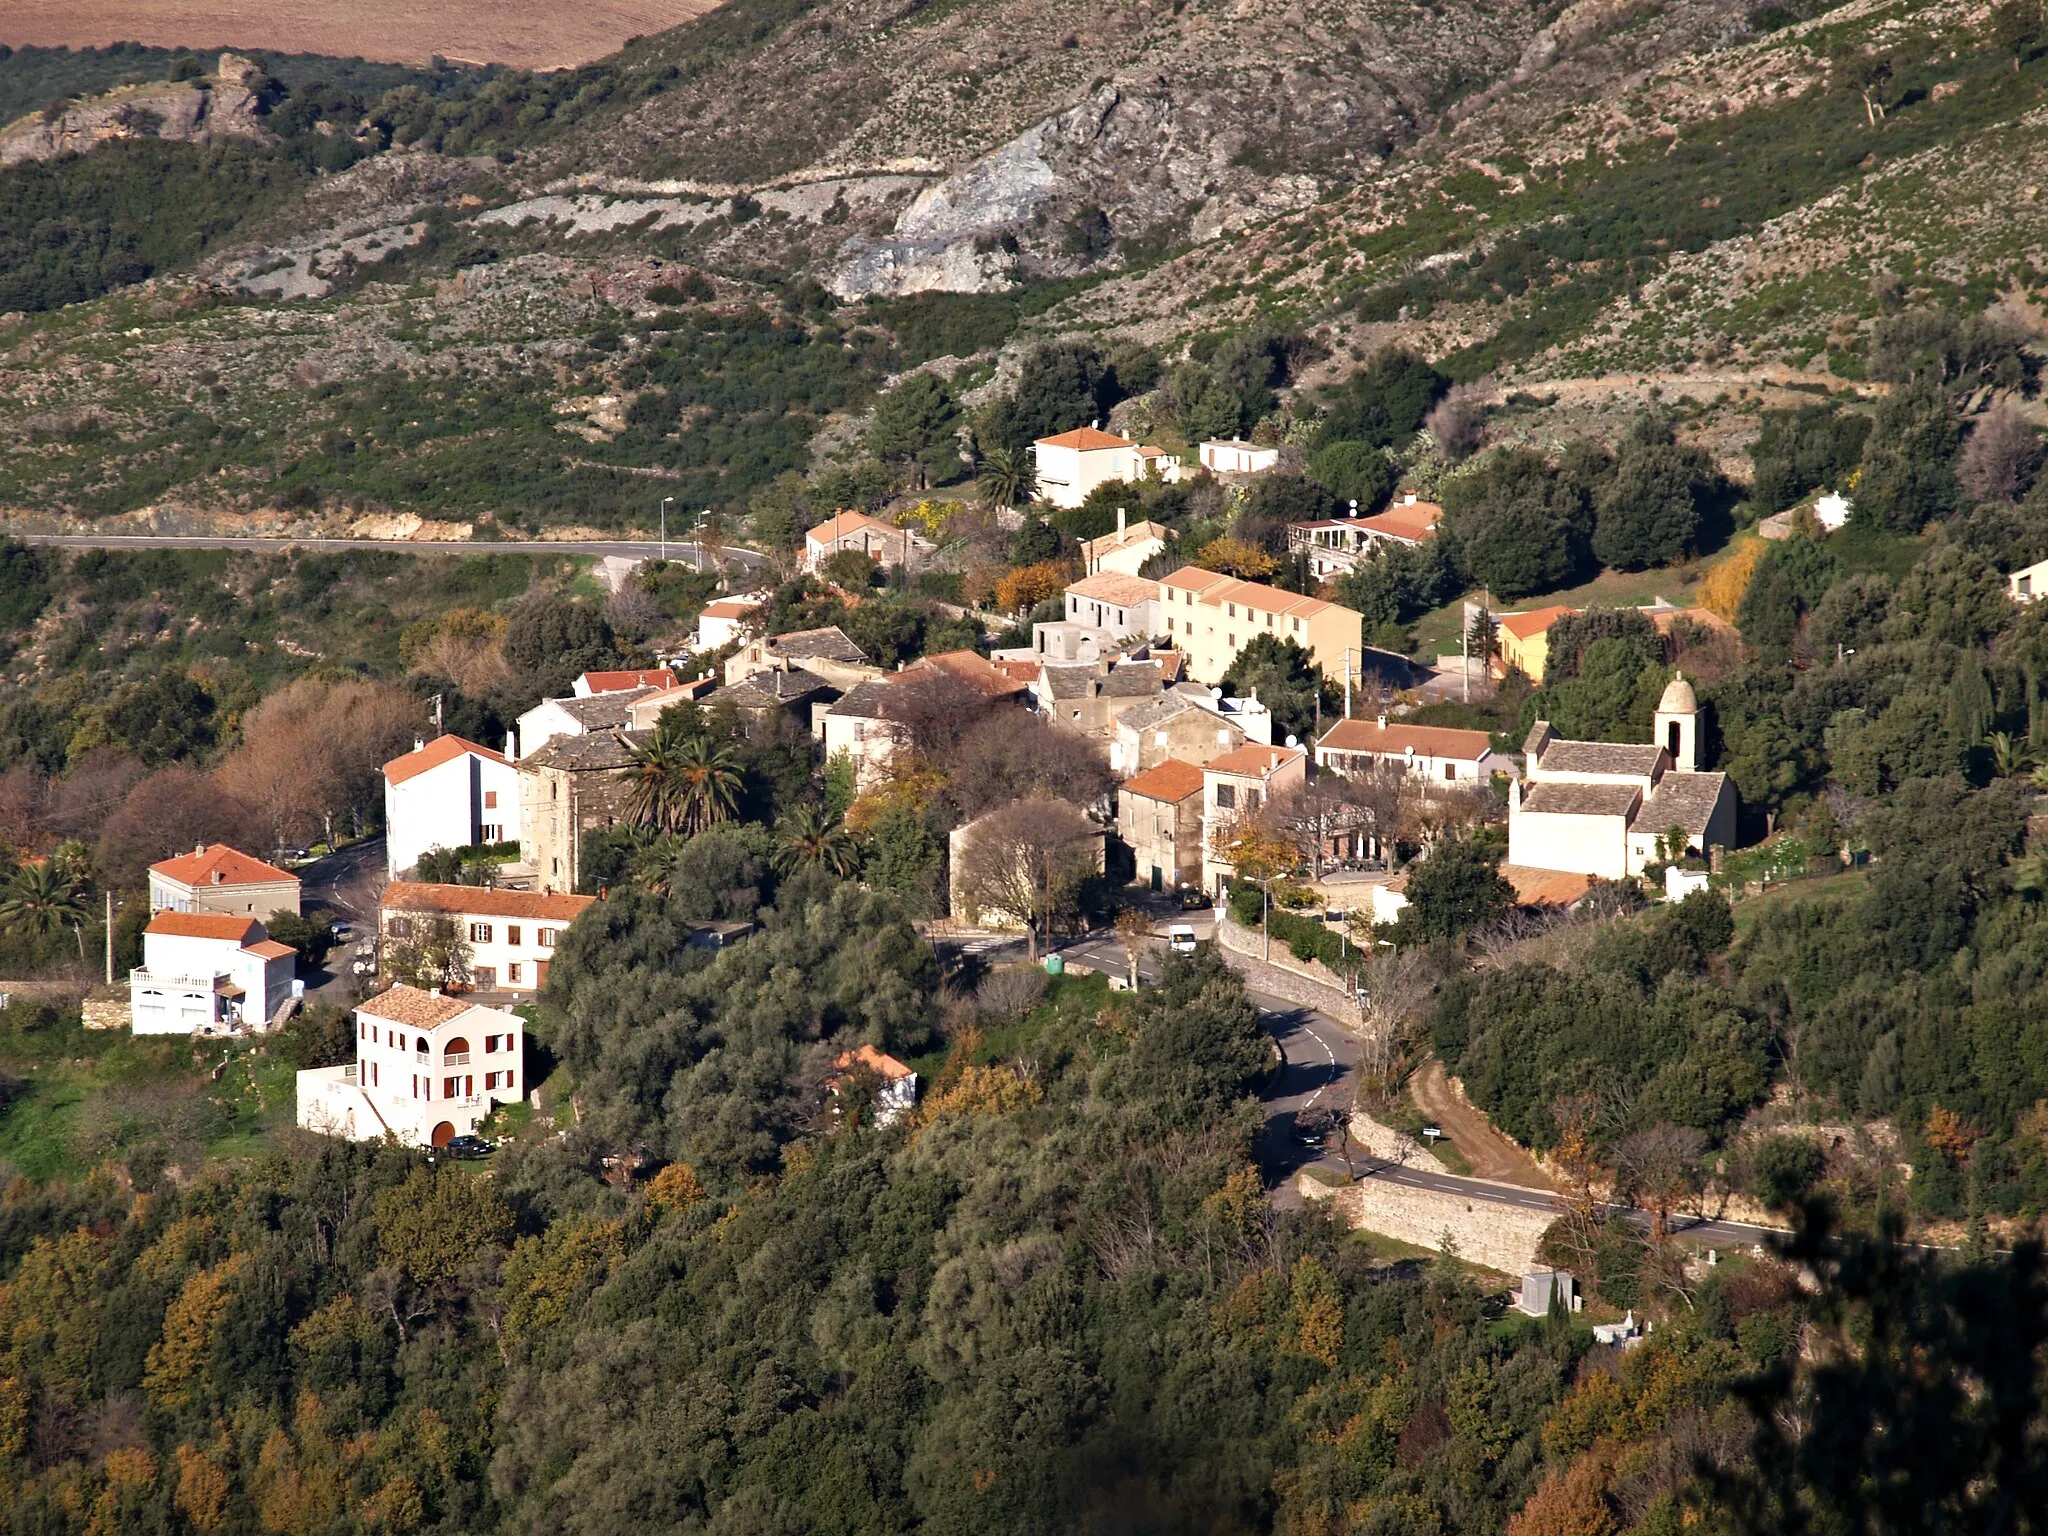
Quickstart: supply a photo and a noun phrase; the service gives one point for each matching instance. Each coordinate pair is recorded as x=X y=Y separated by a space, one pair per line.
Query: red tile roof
x=625 y=682
x=1172 y=781
x=1115 y=587
x=482 y=901
x=218 y=864
x=1413 y=522
x=206 y=925
x=969 y=667
x=1252 y=761
x=415 y=1007
x=442 y=749
x=1085 y=438
x=840 y=524
x=270 y=949
x=1213 y=587
x=1395 y=737
x=888 y=1068
x=1534 y=622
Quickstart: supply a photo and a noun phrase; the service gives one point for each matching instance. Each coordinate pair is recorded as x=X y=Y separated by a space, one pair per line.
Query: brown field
x=534 y=34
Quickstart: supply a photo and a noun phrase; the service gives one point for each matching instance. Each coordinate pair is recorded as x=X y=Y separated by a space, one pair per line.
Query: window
x=1297 y=625
x=1251 y=799
x=415 y=1085
x=490 y=799
x=363 y=1030
x=419 y=1045
x=486 y=977
x=490 y=832
x=512 y=973
x=1450 y=771
x=508 y=1079
x=479 y=933
x=547 y=938
x=451 y=1087
x=490 y=1081
x=1233 y=609
x=376 y=1079
x=511 y=933
x=399 y=927
x=1233 y=641
x=1226 y=797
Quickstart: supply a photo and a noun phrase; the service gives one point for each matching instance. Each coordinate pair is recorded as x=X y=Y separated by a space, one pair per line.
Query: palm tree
x=1006 y=477
x=707 y=783
x=656 y=864
x=811 y=837
x=2009 y=757
x=42 y=899
x=656 y=776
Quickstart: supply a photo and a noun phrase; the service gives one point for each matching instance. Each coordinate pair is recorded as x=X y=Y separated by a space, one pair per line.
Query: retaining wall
x=1502 y=1237
x=1312 y=985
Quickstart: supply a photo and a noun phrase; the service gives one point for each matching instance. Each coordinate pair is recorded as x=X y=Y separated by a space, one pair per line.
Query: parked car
x=1180 y=938
x=342 y=932
x=469 y=1148
x=1193 y=898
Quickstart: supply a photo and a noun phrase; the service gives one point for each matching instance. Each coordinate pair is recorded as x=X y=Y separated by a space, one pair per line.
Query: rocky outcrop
x=229 y=105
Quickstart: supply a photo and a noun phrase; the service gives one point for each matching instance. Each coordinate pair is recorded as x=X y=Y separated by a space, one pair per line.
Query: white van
x=1180 y=938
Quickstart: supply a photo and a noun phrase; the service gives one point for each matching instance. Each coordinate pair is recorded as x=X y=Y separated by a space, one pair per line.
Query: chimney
x=433 y=991
x=1383 y=719
x=1119 y=519
x=419 y=744
x=198 y=848
x=511 y=744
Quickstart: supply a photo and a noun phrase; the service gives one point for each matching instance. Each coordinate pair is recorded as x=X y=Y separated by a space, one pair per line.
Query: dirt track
x=1492 y=1155
x=534 y=34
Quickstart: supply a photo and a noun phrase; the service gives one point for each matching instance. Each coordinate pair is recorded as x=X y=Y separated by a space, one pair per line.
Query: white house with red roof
x=428 y=1068
x=215 y=878
x=724 y=621
x=1339 y=544
x=894 y=1085
x=447 y=793
x=1071 y=464
x=209 y=973
x=1439 y=756
x=592 y=683
x=1122 y=605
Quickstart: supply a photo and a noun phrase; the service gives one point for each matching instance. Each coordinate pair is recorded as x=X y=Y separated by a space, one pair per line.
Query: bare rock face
x=1124 y=162
x=186 y=111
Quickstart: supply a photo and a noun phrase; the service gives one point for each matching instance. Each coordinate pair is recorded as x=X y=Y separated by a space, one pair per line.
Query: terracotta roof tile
x=414 y=1007
x=1115 y=587
x=442 y=749
x=482 y=901
x=1253 y=761
x=1537 y=620
x=218 y=859
x=1172 y=780
x=206 y=925
x=623 y=682
x=270 y=949
x=888 y=1068
x=1085 y=438
x=1395 y=737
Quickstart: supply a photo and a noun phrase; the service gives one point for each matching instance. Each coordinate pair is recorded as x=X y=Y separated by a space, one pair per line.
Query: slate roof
x=827 y=644
x=583 y=754
x=1581 y=799
x=1611 y=757
x=603 y=711
x=1682 y=800
x=772 y=690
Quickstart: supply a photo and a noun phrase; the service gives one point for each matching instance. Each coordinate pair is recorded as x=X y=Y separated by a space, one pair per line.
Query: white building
x=208 y=973
x=1602 y=808
x=2029 y=582
x=1126 y=550
x=215 y=878
x=428 y=1068
x=724 y=621
x=447 y=793
x=1122 y=605
x=895 y=1084
x=1339 y=544
x=1072 y=464
x=881 y=542
x=1230 y=456
x=511 y=934
x=1437 y=755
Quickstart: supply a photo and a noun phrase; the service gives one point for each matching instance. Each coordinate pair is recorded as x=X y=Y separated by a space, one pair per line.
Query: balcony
x=456 y=1059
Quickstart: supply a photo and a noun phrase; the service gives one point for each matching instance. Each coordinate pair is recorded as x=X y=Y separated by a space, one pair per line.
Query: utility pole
x=110 y=938
x=1347 y=682
x=664 y=528
x=436 y=702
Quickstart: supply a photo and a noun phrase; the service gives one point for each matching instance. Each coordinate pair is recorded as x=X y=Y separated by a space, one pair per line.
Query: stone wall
x=1502 y=1237
x=1382 y=1141
x=1311 y=984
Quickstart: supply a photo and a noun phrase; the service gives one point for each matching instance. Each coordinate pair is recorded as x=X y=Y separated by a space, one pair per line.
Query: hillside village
x=1199 y=790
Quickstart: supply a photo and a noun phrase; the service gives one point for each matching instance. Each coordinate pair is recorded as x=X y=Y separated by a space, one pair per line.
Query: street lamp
x=664 y=528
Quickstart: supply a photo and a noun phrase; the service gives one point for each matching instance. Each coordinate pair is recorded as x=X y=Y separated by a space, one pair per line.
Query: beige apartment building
x=1212 y=617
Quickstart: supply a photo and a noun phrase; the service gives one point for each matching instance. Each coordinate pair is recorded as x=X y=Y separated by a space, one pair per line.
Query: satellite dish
x=1292 y=742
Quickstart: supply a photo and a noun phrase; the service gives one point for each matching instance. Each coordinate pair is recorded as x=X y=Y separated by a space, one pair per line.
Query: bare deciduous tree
x=1025 y=862
x=1458 y=421
x=2001 y=458
x=1009 y=756
x=171 y=812
x=1321 y=811
x=313 y=750
x=1394 y=985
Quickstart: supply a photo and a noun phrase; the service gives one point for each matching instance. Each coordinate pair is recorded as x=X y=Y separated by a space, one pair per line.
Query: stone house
x=570 y=788
x=1159 y=817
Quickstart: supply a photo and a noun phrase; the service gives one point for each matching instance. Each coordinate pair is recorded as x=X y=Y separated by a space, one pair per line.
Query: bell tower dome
x=1678 y=724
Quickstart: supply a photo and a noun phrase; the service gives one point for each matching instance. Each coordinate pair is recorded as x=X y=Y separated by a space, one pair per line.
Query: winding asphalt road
x=1318 y=1055
x=646 y=549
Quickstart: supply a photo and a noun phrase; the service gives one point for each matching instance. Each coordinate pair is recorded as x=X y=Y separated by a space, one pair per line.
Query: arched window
x=421 y=1046
x=456 y=1052
x=1676 y=733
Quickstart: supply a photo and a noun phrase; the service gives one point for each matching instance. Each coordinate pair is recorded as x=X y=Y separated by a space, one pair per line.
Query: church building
x=1603 y=808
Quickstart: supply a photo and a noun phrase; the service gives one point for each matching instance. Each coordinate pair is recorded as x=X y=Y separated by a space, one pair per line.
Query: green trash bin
x=1055 y=965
